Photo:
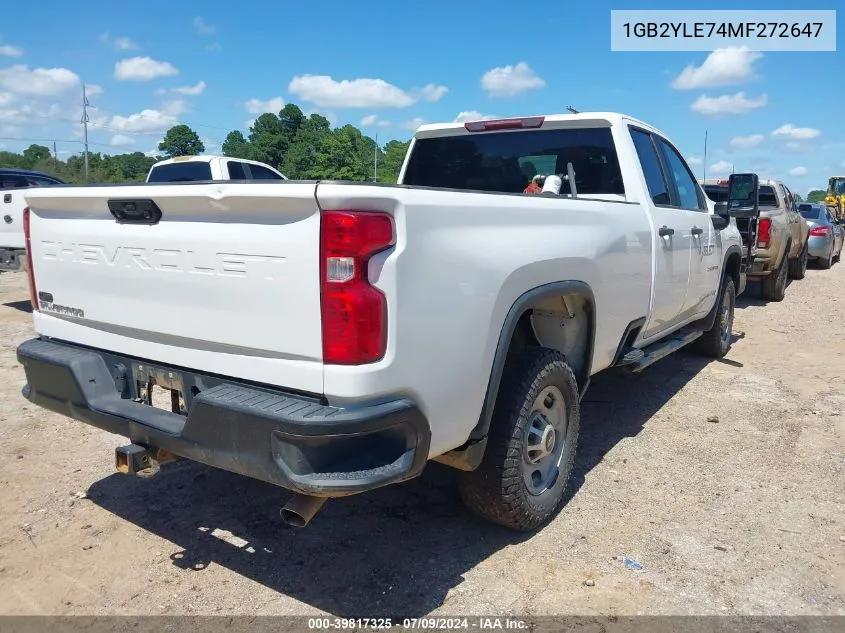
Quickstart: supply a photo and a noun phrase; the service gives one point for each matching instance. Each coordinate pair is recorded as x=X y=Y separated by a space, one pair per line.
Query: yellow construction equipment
x=835 y=199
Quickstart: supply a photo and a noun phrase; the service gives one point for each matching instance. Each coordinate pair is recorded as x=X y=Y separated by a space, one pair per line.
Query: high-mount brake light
x=505 y=124
x=354 y=312
x=33 y=292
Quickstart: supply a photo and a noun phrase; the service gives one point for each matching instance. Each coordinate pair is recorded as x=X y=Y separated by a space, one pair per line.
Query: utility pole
x=85 y=121
x=375 y=161
x=55 y=156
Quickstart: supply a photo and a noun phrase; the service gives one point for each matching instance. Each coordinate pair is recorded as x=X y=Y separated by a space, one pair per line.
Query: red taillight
x=33 y=293
x=821 y=231
x=504 y=124
x=764 y=232
x=354 y=313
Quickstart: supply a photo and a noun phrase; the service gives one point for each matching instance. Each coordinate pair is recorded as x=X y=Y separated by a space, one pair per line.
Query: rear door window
x=181 y=172
x=262 y=173
x=689 y=197
x=505 y=162
x=652 y=170
x=236 y=170
x=12 y=181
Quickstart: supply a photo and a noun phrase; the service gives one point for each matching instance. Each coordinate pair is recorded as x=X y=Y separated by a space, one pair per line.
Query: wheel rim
x=726 y=318
x=545 y=439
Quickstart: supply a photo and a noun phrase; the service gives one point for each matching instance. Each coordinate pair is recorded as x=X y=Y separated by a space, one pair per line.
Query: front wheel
x=716 y=341
x=530 y=452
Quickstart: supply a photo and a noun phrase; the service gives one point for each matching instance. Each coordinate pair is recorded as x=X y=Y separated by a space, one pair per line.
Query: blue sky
x=386 y=67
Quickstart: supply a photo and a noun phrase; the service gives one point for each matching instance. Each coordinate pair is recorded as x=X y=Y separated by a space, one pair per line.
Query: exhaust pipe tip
x=299 y=511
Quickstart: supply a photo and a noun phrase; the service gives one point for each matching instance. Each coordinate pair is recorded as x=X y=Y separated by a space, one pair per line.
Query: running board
x=638 y=359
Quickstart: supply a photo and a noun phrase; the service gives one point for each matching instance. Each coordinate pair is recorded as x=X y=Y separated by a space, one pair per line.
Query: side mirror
x=743 y=190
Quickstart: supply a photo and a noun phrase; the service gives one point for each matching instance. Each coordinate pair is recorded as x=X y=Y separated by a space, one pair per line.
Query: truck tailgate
x=227 y=280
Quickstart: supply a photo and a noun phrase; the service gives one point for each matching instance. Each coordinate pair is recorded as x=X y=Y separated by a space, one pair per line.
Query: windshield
x=181 y=172
x=716 y=193
x=809 y=211
x=838 y=186
x=506 y=162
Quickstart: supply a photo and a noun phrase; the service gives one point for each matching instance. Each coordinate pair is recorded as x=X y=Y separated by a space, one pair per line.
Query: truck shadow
x=394 y=552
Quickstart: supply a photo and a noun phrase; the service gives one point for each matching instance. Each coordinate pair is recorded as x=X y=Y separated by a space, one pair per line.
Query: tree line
x=300 y=146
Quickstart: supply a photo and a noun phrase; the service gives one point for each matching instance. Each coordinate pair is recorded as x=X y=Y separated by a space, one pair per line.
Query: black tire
x=498 y=490
x=716 y=341
x=827 y=263
x=798 y=266
x=773 y=287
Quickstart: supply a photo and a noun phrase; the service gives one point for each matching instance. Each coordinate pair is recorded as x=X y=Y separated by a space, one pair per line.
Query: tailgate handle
x=135 y=211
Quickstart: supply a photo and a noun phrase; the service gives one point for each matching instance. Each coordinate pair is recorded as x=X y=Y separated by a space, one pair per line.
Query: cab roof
x=581 y=119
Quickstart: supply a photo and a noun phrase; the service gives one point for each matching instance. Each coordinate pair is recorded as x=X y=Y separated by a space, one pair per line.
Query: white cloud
x=93 y=90
x=325 y=92
x=215 y=46
x=793 y=133
x=722 y=167
x=473 y=115
x=39 y=82
x=191 y=90
x=692 y=161
x=146 y=121
x=121 y=140
x=727 y=104
x=746 y=142
x=413 y=124
x=508 y=81
x=104 y=37
x=6 y=98
x=430 y=92
x=143 y=69
x=372 y=120
x=723 y=67
x=175 y=107
x=798 y=171
x=125 y=44
x=7 y=50
x=203 y=27
x=257 y=106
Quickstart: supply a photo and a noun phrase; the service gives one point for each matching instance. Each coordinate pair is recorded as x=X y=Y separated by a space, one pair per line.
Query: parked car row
x=787 y=235
x=333 y=337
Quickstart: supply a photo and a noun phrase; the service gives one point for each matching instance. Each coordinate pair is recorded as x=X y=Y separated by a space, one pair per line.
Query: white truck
x=333 y=337
x=13 y=184
x=207 y=167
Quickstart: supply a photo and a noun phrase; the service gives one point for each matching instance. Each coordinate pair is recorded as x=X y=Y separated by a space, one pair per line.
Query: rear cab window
x=181 y=172
x=767 y=197
x=506 y=161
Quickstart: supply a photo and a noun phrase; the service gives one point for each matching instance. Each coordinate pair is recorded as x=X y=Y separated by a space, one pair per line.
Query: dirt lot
x=744 y=515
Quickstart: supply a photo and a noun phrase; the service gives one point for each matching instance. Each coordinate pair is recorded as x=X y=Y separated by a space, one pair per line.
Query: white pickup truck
x=13 y=184
x=206 y=167
x=333 y=337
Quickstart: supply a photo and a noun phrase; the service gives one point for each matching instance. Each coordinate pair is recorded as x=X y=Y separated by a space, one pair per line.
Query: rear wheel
x=716 y=341
x=531 y=446
x=798 y=266
x=774 y=286
x=827 y=262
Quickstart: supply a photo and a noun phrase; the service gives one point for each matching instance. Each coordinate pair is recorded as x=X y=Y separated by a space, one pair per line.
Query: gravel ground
x=725 y=480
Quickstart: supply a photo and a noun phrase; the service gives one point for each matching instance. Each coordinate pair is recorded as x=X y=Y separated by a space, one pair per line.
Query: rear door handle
x=696 y=230
x=7 y=197
x=665 y=230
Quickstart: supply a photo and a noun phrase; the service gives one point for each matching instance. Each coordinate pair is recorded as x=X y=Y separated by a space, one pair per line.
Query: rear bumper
x=294 y=441
x=760 y=267
x=819 y=246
